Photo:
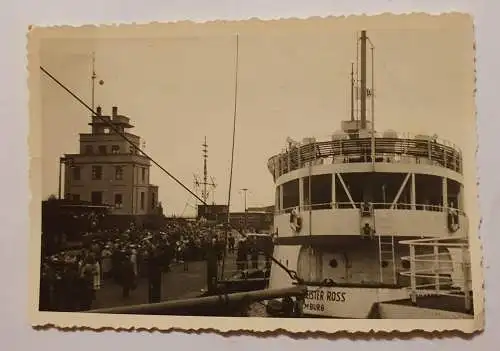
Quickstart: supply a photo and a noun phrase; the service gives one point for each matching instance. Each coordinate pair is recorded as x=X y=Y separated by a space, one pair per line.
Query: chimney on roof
x=115 y=111
x=99 y=110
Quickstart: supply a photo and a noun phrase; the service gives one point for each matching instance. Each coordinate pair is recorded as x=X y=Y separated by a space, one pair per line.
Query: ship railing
x=393 y=135
x=439 y=273
x=374 y=205
x=387 y=150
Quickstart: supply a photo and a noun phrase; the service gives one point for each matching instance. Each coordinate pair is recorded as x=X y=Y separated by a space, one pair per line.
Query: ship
x=366 y=225
x=372 y=223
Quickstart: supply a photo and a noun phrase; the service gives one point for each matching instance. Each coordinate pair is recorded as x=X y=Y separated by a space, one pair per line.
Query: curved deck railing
x=387 y=150
x=375 y=206
x=435 y=271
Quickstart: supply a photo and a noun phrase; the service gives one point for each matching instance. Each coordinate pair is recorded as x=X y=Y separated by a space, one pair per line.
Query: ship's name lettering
x=328 y=296
x=314 y=307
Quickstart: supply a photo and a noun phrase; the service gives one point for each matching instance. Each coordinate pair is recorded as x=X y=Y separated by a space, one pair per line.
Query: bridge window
x=356 y=183
x=277 y=198
x=290 y=195
x=378 y=188
x=321 y=191
x=454 y=189
x=428 y=192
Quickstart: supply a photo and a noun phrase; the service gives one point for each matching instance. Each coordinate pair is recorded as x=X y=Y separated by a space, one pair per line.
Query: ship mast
x=365 y=93
x=372 y=94
x=206 y=185
x=363 y=80
x=205 y=175
x=352 y=92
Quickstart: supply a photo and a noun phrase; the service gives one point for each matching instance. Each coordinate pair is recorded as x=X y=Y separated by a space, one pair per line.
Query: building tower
x=108 y=170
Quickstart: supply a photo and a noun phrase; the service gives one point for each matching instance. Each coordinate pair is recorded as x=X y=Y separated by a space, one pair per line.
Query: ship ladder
x=386 y=253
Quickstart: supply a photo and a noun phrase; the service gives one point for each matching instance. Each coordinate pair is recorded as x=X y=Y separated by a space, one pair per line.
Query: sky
x=177 y=84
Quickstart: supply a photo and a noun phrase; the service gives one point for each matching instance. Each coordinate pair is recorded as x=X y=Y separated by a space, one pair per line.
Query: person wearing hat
x=133 y=259
x=155 y=272
x=87 y=273
x=242 y=255
x=127 y=275
x=106 y=261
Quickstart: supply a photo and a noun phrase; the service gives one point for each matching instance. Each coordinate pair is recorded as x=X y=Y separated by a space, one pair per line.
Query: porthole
x=405 y=264
x=333 y=263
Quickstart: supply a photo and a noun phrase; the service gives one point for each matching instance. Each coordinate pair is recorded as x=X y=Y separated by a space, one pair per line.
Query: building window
x=143 y=174
x=96 y=197
x=153 y=205
x=89 y=149
x=96 y=172
x=102 y=149
x=118 y=172
x=118 y=200
x=76 y=173
x=115 y=149
x=142 y=200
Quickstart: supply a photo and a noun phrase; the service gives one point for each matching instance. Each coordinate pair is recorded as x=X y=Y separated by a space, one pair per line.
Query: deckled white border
x=68 y=320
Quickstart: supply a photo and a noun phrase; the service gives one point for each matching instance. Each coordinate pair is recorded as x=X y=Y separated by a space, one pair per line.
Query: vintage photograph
x=275 y=174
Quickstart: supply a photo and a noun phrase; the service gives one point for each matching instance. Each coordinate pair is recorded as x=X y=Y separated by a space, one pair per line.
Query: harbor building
x=108 y=170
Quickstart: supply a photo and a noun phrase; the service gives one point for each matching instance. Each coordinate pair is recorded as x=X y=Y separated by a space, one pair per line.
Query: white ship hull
x=356 y=287
x=348 y=302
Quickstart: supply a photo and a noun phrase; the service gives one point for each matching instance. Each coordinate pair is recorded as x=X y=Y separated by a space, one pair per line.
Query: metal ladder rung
x=387 y=253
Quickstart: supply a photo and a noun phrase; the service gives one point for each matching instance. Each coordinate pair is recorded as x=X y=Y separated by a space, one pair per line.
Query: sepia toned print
x=274 y=174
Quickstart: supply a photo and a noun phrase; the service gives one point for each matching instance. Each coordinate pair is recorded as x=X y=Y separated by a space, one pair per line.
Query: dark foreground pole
x=59 y=194
x=155 y=271
x=210 y=303
x=212 y=268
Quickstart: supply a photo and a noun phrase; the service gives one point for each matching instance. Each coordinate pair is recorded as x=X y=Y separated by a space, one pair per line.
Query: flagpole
x=93 y=80
x=373 y=107
x=93 y=77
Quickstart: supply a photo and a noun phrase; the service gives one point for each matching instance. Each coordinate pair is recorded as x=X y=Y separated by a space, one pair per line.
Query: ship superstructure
x=344 y=204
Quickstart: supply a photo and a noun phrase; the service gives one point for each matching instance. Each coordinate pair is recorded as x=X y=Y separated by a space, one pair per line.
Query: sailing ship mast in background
x=208 y=183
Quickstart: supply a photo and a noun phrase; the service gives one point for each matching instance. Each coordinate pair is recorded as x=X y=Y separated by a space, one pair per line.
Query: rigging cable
x=235 y=110
x=291 y=273
x=117 y=131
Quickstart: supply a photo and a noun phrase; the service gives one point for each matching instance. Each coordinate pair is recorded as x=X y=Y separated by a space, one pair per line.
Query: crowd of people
x=71 y=278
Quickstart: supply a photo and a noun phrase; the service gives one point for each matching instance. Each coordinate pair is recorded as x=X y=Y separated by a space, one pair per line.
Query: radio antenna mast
x=207 y=184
